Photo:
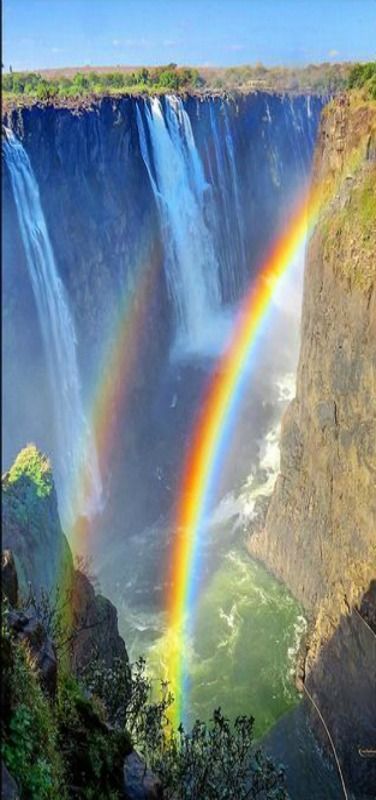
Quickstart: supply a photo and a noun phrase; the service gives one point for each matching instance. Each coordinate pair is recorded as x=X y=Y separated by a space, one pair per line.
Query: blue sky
x=56 y=33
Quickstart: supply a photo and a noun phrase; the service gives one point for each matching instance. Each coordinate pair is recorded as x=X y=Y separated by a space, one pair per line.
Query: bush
x=29 y=735
x=93 y=754
x=363 y=76
x=217 y=761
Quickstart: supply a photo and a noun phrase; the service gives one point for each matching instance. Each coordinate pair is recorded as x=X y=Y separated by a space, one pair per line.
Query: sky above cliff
x=57 y=33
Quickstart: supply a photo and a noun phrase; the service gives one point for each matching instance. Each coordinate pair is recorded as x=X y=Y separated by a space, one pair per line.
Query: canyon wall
x=319 y=535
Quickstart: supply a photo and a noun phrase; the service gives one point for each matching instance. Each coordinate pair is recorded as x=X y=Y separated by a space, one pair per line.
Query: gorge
x=149 y=220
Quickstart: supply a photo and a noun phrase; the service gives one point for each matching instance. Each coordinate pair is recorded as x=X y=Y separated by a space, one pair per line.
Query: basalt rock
x=31 y=524
x=9 y=788
x=139 y=782
x=9 y=579
x=28 y=628
x=95 y=626
x=39 y=560
x=319 y=533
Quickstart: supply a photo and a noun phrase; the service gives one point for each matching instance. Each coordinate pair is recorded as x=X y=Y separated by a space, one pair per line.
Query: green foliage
x=32 y=464
x=217 y=761
x=363 y=76
x=75 y=744
x=323 y=78
x=160 y=79
x=93 y=754
x=29 y=744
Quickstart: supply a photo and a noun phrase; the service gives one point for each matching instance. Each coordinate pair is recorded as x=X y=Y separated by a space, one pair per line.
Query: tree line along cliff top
x=91 y=82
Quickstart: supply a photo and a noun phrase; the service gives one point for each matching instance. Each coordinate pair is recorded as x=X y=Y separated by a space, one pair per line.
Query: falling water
x=76 y=449
x=182 y=193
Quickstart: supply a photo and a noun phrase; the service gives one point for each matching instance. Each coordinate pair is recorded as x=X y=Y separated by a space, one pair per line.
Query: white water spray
x=76 y=450
x=180 y=189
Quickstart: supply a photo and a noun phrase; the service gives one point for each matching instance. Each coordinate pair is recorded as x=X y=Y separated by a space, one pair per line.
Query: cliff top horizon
x=78 y=82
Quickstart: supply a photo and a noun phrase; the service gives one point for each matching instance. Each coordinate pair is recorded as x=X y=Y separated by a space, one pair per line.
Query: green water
x=247 y=632
x=242 y=658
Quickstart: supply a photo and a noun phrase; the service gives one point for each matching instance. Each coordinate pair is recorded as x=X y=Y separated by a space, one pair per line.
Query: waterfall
x=75 y=446
x=229 y=217
x=182 y=193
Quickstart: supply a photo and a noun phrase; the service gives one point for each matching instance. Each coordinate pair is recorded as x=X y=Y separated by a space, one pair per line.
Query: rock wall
x=37 y=561
x=319 y=536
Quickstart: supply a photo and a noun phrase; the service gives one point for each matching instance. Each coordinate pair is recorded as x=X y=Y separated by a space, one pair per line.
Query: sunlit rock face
x=319 y=534
x=187 y=192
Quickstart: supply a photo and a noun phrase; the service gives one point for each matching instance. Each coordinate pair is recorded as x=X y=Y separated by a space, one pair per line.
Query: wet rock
x=9 y=579
x=139 y=782
x=9 y=788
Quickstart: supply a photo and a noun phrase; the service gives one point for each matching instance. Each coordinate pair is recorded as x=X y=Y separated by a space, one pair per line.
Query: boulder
x=9 y=788
x=139 y=782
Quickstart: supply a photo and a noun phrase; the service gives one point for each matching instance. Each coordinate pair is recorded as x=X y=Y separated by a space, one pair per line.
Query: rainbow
x=211 y=433
x=112 y=390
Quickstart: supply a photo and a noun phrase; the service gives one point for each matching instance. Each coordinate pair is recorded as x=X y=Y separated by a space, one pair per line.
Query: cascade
x=230 y=217
x=181 y=191
x=75 y=445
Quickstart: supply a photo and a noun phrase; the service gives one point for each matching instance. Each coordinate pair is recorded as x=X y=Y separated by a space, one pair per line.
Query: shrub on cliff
x=56 y=748
x=363 y=76
x=214 y=761
x=29 y=734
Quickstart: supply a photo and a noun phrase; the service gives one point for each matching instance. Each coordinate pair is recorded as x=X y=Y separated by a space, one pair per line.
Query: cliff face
x=319 y=534
x=32 y=534
x=31 y=524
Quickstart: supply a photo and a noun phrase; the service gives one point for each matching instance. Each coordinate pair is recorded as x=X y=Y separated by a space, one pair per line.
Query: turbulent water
x=76 y=450
x=248 y=630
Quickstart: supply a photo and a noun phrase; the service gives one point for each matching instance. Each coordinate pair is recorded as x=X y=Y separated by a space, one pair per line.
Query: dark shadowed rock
x=139 y=782
x=28 y=628
x=95 y=625
x=9 y=580
x=9 y=789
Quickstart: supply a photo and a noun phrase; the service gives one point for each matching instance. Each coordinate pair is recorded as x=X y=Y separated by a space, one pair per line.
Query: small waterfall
x=229 y=217
x=76 y=450
x=182 y=194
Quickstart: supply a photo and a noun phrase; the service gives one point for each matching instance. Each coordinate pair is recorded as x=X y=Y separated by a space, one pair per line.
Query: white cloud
x=333 y=53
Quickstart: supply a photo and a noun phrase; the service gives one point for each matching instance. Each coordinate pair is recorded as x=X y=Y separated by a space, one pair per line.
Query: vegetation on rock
x=32 y=464
x=29 y=732
x=363 y=76
x=323 y=78
x=214 y=761
x=159 y=79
